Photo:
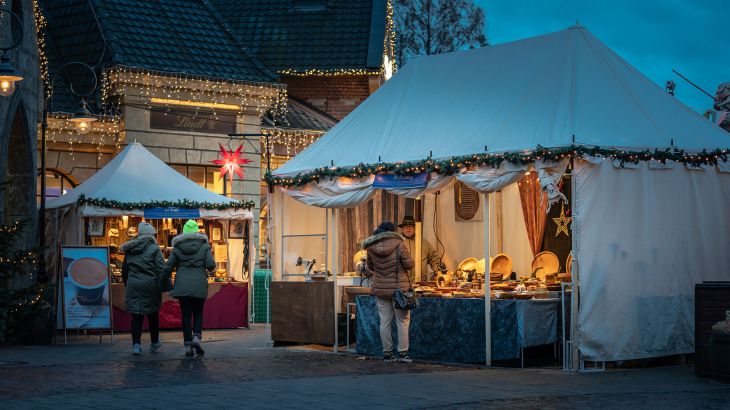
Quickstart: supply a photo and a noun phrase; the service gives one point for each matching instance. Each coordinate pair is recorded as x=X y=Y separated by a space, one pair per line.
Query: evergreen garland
x=183 y=203
x=454 y=165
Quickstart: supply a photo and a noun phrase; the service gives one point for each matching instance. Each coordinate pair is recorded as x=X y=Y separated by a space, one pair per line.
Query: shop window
x=57 y=184
x=207 y=177
x=214 y=183
x=183 y=169
x=197 y=175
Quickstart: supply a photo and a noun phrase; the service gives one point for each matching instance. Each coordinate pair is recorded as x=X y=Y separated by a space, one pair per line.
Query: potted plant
x=720 y=349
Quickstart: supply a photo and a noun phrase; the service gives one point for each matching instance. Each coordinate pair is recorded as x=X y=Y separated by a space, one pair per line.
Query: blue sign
x=171 y=212
x=393 y=181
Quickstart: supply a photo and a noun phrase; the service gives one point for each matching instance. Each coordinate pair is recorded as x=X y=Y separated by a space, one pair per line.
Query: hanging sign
x=85 y=287
x=189 y=120
x=392 y=181
x=172 y=212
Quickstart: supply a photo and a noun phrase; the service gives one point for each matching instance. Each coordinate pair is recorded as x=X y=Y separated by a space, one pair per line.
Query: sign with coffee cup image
x=85 y=285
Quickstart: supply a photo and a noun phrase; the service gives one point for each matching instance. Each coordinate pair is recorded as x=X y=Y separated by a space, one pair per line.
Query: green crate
x=261 y=282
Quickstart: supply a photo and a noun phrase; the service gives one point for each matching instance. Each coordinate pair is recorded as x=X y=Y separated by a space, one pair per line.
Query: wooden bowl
x=501 y=263
x=569 y=263
x=545 y=263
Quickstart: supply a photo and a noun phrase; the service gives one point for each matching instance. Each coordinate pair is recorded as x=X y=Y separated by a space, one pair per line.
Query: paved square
x=241 y=370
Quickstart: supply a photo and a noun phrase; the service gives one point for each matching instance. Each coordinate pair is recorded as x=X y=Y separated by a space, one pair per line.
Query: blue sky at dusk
x=655 y=36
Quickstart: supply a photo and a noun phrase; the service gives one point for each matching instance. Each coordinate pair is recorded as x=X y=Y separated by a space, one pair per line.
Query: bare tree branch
x=438 y=26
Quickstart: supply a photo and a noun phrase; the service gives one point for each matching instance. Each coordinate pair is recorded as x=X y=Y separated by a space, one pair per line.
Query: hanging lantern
x=8 y=76
x=82 y=119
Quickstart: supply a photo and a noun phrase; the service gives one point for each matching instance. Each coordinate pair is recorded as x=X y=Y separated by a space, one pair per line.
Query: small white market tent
x=135 y=175
x=644 y=230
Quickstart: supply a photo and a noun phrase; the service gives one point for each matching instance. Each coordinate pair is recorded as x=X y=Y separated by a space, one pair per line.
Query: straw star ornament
x=231 y=162
x=562 y=222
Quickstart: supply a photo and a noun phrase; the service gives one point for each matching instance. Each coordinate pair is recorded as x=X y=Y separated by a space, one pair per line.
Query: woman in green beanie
x=191 y=258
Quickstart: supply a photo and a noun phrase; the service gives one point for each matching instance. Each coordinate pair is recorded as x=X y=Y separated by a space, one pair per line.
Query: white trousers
x=386 y=311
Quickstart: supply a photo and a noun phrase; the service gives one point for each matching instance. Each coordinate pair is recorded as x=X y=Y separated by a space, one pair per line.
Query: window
x=57 y=184
x=207 y=177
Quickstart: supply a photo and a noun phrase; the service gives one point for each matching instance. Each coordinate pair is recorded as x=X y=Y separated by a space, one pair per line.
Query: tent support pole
x=575 y=272
x=335 y=268
x=487 y=301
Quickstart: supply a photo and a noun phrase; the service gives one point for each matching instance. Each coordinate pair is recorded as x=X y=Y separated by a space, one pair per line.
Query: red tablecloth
x=225 y=308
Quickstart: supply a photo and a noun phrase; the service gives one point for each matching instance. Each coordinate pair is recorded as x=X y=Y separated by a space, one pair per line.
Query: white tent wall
x=292 y=217
x=645 y=237
x=465 y=239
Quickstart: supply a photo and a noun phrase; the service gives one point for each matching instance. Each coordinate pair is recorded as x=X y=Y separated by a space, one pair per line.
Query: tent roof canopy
x=136 y=176
x=553 y=90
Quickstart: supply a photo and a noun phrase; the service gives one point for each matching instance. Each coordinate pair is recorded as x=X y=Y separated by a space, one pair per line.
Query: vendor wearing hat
x=429 y=257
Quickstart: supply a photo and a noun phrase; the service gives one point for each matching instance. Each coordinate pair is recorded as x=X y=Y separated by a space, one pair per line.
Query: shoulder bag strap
x=397 y=256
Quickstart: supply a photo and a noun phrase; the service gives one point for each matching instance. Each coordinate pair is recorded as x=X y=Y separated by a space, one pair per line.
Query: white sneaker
x=155 y=347
x=136 y=349
x=197 y=345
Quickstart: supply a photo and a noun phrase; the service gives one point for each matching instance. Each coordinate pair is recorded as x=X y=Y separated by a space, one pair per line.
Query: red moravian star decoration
x=231 y=162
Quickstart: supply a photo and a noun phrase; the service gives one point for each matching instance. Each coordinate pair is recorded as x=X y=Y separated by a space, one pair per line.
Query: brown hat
x=407 y=221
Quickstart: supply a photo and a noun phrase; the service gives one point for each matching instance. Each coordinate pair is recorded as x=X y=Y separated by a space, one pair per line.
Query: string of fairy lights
x=40 y=24
x=388 y=64
x=208 y=92
x=293 y=141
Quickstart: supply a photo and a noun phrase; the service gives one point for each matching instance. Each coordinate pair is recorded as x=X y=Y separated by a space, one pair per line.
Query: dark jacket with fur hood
x=141 y=270
x=382 y=261
x=190 y=259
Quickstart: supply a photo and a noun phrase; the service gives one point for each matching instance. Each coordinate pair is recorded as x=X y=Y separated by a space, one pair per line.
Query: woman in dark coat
x=389 y=260
x=191 y=259
x=141 y=271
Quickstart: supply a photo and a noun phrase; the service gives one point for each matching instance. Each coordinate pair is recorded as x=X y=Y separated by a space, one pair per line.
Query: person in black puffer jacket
x=141 y=272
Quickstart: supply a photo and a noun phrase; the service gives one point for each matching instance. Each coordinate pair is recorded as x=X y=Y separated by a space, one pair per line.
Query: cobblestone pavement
x=241 y=370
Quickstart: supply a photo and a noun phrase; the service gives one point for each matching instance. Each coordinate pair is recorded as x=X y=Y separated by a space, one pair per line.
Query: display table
x=225 y=308
x=452 y=330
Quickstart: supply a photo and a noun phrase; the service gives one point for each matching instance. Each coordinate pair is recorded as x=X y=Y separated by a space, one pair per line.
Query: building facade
x=19 y=115
x=178 y=77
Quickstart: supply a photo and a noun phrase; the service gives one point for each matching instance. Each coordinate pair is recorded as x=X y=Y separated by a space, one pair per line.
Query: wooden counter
x=303 y=312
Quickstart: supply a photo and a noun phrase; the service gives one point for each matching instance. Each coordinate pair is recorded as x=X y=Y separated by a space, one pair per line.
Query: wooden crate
x=712 y=299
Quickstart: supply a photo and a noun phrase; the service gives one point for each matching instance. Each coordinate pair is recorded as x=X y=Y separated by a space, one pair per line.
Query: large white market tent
x=135 y=175
x=510 y=97
x=643 y=233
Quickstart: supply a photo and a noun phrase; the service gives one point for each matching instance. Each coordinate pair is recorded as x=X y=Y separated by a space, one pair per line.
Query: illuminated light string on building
x=293 y=141
x=455 y=165
x=40 y=24
x=389 y=43
x=167 y=90
x=196 y=92
x=388 y=56
x=105 y=132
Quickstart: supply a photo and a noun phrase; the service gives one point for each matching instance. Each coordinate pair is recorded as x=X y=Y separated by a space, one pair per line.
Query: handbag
x=403 y=300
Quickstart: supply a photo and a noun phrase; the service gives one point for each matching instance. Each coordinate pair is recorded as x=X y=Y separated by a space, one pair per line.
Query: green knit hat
x=190 y=226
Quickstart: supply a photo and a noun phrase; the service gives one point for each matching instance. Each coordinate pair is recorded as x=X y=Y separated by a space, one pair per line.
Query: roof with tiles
x=302 y=116
x=176 y=36
x=305 y=35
